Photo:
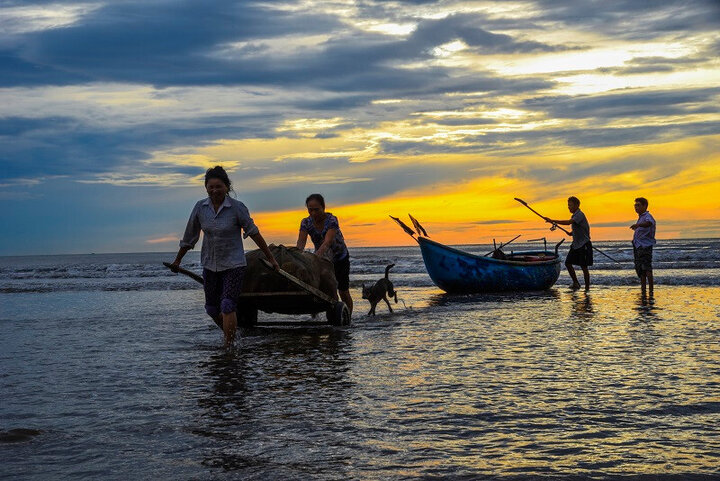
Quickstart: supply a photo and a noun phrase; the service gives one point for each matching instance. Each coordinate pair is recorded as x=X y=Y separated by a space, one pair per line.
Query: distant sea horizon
x=395 y=246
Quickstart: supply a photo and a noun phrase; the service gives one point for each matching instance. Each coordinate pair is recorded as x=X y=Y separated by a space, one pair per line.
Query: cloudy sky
x=110 y=112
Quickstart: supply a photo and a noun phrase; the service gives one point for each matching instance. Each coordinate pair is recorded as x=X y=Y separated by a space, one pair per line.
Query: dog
x=379 y=291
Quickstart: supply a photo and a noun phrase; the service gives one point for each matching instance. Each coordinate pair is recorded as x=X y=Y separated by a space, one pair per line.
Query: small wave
x=685 y=409
x=676 y=264
x=79 y=285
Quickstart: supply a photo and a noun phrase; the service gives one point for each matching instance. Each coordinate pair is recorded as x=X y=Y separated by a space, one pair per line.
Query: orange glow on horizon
x=478 y=210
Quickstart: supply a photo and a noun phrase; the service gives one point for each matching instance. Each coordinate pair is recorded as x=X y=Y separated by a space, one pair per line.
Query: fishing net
x=307 y=267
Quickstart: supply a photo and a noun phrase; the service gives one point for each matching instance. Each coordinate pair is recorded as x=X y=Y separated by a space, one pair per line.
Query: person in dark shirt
x=581 y=251
x=323 y=229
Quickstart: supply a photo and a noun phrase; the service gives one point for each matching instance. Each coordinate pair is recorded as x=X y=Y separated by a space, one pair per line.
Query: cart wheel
x=338 y=314
x=247 y=316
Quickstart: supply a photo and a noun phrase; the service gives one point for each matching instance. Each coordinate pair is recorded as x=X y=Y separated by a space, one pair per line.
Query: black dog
x=380 y=290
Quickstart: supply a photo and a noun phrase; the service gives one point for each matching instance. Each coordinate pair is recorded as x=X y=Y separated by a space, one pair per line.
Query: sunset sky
x=110 y=112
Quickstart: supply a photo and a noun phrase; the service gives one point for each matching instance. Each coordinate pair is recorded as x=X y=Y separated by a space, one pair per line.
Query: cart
x=306 y=300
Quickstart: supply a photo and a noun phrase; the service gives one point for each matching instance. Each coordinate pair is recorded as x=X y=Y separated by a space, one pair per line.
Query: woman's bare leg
x=229 y=327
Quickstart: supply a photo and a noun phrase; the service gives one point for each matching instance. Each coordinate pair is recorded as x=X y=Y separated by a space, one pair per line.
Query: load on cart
x=305 y=284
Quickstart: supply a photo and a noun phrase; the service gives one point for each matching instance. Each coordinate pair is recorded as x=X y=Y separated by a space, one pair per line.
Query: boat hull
x=455 y=271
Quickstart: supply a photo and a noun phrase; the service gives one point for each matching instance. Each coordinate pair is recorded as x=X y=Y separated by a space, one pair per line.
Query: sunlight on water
x=131 y=384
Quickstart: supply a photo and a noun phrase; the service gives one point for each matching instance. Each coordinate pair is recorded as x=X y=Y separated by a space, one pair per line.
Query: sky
x=111 y=111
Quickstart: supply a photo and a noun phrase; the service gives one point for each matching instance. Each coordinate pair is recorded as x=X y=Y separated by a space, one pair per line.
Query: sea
x=110 y=369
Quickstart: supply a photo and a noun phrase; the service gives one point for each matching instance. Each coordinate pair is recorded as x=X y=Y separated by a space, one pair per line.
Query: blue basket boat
x=455 y=271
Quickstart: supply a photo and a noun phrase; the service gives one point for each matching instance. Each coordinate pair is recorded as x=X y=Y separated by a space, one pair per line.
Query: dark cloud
x=432 y=33
x=644 y=65
x=15 y=71
x=634 y=19
x=460 y=121
x=714 y=49
x=256 y=45
x=326 y=135
x=55 y=146
x=160 y=42
x=16 y=126
x=627 y=103
x=386 y=180
x=179 y=43
x=527 y=142
x=651 y=168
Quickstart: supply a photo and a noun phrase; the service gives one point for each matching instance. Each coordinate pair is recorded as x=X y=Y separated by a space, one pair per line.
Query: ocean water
x=110 y=365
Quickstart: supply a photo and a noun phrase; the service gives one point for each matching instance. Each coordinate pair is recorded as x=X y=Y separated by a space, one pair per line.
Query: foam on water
x=694 y=262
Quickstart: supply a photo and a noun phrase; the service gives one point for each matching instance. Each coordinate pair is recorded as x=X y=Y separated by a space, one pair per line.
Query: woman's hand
x=175 y=265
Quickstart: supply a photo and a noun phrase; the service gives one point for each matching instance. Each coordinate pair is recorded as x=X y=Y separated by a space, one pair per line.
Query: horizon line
x=350 y=248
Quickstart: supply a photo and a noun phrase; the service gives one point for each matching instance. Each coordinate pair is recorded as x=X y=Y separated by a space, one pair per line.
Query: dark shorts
x=582 y=256
x=222 y=290
x=342 y=273
x=643 y=259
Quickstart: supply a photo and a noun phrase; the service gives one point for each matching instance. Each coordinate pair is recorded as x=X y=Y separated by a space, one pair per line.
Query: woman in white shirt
x=221 y=218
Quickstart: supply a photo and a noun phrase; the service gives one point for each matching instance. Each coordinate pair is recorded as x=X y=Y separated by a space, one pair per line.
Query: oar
x=188 y=273
x=558 y=227
x=540 y=215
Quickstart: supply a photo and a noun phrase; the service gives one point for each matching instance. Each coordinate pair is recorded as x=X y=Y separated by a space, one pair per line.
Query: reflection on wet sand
x=582 y=305
x=436 y=299
x=277 y=374
x=645 y=307
x=472 y=377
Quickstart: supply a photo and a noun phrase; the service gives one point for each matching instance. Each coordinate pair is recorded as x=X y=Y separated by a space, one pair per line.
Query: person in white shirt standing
x=643 y=242
x=221 y=219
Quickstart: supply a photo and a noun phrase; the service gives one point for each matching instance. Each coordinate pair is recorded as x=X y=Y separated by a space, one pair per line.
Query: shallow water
x=127 y=384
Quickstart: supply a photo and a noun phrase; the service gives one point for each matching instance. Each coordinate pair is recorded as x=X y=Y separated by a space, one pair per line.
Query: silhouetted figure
x=643 y=242
x=581 y=250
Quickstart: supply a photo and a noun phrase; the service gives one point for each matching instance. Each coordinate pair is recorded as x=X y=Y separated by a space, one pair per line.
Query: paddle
x=188 y=273
x=555 y=226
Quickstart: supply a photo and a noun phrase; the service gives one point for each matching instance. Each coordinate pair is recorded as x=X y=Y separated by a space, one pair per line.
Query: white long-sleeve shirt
x=222 y=246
